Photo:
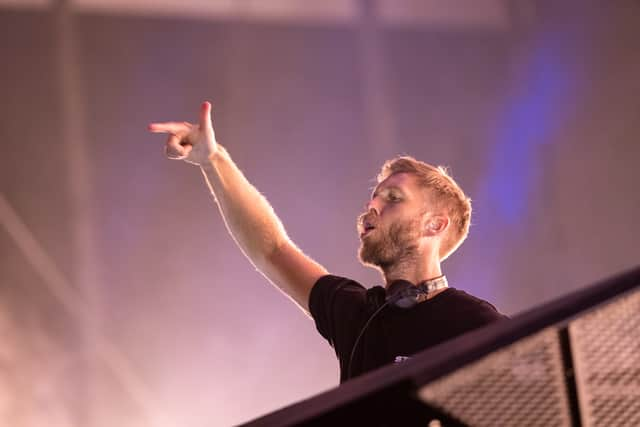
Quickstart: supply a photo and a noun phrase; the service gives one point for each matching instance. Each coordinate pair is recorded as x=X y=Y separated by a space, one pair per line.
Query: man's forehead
x=402 y=180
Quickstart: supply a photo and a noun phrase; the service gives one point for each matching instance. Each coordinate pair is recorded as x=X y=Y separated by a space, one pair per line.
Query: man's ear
x=436 y=225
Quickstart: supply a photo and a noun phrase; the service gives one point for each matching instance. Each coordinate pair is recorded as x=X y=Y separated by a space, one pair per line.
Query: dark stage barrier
x=572 y=362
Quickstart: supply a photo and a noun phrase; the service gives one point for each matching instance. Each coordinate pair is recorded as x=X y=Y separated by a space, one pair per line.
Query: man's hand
x=194 y=144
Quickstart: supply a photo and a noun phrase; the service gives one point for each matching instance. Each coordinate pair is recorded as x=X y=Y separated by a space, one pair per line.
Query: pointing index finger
x=170 y=127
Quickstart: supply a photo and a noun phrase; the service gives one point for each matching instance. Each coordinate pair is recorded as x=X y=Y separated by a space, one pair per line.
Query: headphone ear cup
x=406 y=300
x=409 y=297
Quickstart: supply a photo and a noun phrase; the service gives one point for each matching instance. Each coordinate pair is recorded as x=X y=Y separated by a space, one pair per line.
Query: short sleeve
x=335 y=301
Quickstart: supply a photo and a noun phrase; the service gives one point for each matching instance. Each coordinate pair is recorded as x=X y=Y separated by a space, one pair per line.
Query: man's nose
x=372 y=205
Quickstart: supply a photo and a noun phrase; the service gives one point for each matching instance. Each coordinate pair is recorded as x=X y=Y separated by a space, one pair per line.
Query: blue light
x=533 y=113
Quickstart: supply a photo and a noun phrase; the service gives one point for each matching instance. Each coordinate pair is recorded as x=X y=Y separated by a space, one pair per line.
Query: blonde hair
x=446 y=194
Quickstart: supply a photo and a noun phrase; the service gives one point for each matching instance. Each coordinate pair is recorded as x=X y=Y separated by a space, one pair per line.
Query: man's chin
x=367 y=258
x=370 y=264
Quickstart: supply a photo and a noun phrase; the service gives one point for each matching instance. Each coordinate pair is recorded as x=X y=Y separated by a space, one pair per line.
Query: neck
x=413 y=269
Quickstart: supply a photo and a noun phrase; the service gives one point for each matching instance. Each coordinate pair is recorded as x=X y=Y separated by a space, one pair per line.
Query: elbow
x=275 y=250
x=268 y=253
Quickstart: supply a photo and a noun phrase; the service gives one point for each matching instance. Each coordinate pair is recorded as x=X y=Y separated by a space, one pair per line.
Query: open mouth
x=367 y=227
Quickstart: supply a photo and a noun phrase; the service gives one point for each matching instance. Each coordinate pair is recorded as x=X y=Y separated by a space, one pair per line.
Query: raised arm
x=247 y=214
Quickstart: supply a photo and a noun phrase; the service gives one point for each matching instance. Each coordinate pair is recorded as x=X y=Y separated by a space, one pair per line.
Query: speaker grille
x=521 y=384
x=606 y=355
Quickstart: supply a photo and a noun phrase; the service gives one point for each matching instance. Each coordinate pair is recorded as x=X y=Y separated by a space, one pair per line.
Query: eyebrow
x=389 y=187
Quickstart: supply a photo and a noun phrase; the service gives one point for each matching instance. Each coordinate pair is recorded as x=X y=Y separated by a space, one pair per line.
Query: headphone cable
x=364 y=328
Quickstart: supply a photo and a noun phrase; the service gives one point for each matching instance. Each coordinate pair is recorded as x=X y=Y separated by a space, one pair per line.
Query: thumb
x=205 y=117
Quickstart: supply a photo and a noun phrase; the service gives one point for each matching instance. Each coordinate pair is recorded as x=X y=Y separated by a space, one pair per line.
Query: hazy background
x=123 y=300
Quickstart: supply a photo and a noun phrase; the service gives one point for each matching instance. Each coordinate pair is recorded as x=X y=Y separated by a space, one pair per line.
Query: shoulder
x=329 y=287
x=469 y=305
x=336 y=301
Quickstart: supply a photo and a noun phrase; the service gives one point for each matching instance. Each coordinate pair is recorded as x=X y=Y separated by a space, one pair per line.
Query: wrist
x=213 y=159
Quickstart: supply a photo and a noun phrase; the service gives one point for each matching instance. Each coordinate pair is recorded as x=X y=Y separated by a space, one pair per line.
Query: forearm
x=247 y=214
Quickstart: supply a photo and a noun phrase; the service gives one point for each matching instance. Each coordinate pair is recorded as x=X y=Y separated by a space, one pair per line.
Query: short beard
x=388 y=250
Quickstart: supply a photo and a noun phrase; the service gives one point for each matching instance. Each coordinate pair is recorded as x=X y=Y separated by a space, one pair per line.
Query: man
x=417 y=217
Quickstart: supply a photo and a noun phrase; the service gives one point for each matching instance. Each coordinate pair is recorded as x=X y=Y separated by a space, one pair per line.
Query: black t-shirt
x=341 y=307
